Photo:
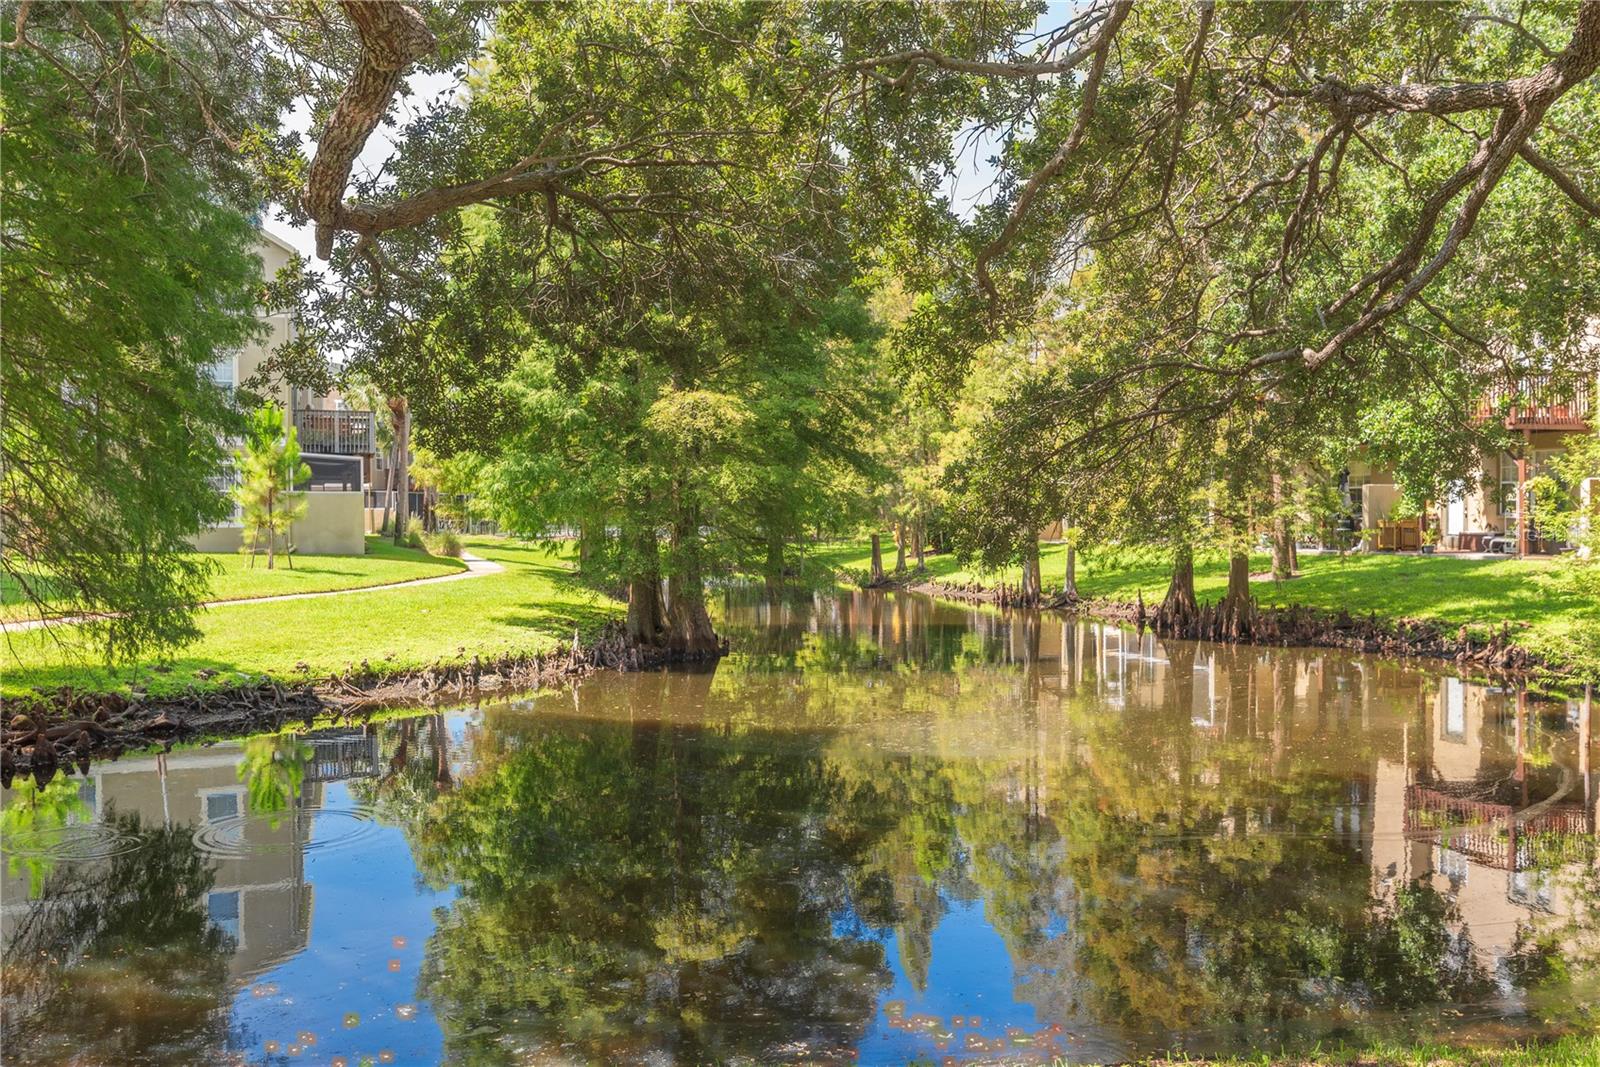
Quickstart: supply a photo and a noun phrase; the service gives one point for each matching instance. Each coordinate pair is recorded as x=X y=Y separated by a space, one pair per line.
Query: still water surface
x=882 y=830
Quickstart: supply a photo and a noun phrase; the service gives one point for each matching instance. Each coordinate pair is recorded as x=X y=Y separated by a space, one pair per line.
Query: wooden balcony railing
x=336 y=433
x=1537 y=403
x=1490 y=834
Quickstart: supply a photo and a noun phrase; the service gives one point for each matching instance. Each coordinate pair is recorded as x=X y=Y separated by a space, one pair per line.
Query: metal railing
x=336 y=433
x=338 y=759
x=1490 y=833
x=1538 y=401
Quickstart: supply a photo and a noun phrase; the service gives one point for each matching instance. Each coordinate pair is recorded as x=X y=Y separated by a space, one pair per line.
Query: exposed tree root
x=1249 y=623
x=64 y=730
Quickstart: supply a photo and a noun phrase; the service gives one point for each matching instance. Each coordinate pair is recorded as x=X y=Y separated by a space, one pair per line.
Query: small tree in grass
x=269 y=468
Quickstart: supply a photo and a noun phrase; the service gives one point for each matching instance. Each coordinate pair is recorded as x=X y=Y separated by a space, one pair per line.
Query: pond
x=883 y=829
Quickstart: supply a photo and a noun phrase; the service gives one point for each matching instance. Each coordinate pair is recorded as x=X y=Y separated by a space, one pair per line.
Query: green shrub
x=414 y=536
x=445 y=543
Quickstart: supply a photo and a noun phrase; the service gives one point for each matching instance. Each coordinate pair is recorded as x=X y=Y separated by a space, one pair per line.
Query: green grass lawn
x=236 y=579
x=1574 y=1051
x=1531 y=594
x=533 y=606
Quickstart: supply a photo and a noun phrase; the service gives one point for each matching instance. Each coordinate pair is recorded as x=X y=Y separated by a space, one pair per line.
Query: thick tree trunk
x=1032 y=586
x=641 y=559
x=1238 y=577
x=899 y=548
x=689 y=630
x=876 y=578
x=1237 y=609
x=647 y=619
x=400 y=412
x=1180 y=604
x=1069 y=587
x=589 y=542
x=774 y=565
x=916 y=545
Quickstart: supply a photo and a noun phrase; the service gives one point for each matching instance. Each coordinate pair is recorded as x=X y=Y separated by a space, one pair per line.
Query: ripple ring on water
x=80 y=842
x=334 y=828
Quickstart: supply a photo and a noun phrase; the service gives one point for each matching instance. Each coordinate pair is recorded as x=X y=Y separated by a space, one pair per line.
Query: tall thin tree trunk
x=1282 y=538
x=400 y=411
x=899 y=548
x=388 y=493
x=1069 y=586
x=916 y=544
x=876 y=577
x=272 y=534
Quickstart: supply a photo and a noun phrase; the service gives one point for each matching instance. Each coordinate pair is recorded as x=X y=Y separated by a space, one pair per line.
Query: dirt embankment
x=50 y=733
x=1303 y=626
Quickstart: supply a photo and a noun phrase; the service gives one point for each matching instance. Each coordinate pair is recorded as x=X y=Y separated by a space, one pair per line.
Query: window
x=223 y=911
x=1455 y=709
x=1355 y=499
x=223 y=371
x=1453 y=865
x=221 y=806
x=1509 y=498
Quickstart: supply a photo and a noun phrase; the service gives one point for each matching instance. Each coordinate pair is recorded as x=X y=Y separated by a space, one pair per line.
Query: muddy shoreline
x=1293 y=626
x=63 y=731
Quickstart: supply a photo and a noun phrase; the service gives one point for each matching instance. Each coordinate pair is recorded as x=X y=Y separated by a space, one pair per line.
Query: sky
x=425 y=89
x=968 y=188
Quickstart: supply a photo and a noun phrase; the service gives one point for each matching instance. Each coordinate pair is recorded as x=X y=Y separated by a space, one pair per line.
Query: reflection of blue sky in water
x=362 y=899
x=1018 y=774
x=970 y=998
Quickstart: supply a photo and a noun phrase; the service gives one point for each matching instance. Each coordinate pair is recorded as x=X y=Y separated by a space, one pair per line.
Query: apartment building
x=337 y=443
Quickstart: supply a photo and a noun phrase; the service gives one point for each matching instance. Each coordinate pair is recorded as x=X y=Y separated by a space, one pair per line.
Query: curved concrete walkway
x=477 y=567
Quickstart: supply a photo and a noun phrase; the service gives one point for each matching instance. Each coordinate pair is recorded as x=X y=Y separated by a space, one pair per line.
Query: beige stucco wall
x=275 y=900
x=334 y=525
x=1482 y=511
x=218 y=539
x=275 y=255
x=1377 y=501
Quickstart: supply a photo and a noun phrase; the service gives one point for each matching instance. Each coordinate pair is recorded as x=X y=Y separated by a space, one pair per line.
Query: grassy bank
x=1545 y=614
x=236 y=579
x=1578 y=1051
x=532 y=606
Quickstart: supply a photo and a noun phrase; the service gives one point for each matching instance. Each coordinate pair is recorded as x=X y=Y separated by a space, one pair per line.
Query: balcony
x=1492 y=834
x=1537 y=403
x=336 y=433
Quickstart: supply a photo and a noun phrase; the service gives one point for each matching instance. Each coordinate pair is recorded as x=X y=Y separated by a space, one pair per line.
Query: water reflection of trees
x=684 y=863
x=653 y=888
x=116 y=961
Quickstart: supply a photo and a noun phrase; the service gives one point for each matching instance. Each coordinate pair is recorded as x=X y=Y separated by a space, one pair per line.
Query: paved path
x=477 y=567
